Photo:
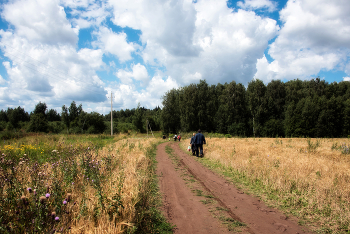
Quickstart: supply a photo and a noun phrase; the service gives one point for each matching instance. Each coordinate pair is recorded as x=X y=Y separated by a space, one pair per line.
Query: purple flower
x=47 y=195
x=57 y=218
x=64 y=202
x=29 y=189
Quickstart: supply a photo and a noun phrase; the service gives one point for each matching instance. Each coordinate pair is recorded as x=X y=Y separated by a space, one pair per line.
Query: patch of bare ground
x=197 y=200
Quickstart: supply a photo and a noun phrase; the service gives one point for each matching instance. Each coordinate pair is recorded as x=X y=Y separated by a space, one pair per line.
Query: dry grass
x=106 y=205
x=308 y=176
x=126 y=181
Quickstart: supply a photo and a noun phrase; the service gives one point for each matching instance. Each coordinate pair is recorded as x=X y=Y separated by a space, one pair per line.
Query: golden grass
x=131 y=155
x=124 y=184
x=312 y=183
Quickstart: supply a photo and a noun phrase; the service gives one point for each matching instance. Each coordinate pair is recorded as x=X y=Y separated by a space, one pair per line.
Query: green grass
x=149 y=218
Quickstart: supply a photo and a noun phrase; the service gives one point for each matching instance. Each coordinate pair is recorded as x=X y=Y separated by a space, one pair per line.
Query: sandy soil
x=197 y=200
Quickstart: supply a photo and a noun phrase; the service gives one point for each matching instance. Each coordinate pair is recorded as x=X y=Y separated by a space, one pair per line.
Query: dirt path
x=198 y=201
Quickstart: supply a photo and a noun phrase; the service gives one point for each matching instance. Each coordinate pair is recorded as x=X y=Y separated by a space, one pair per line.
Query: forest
x=295 y=108
x=312 y=108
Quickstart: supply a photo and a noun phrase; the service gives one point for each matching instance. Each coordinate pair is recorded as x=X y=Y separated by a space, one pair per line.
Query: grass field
x=308 y=178
x=79 y=184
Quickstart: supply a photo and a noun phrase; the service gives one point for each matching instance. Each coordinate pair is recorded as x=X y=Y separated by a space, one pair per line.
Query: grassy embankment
x=308 y=178
x=79 y=184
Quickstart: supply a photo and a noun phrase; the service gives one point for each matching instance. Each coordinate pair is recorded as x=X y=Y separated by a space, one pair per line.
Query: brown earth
x=184 y=183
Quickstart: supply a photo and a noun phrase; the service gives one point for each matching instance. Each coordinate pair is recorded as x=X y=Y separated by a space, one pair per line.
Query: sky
x=59 y=51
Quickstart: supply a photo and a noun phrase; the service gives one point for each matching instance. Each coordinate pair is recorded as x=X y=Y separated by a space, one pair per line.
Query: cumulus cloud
x=315 y=36
x=346 y=78
x=202 y=40
x=164 y=24
x=115 y=43
x=87 y=13
x=258 y=4
x=2 y=80
x=138 y=73
x=126 y=96
x=42 y=60
x=40 y=21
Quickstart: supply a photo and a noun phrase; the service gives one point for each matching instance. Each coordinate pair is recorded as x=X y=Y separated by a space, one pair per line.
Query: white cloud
x=346 y=78
x=86 y=13
x=40 y=21
x=115 y=43
x=159 y=87
x=127 y=96
x=258 y=4
x=45 y=64
x=2 y=80
x=204 y=38
x=315 y=36
x=138 y=73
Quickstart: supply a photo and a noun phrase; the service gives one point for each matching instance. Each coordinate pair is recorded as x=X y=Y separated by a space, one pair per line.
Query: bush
x=7 y=135
x=56 y=127
x=2 y=125
x=125 y=127
x=38 y=123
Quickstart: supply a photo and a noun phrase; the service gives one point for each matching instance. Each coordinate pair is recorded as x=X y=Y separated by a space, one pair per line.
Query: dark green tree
x=138 y=119
x=171 y=112
x=38 y=123
x=256 y=94
x=53 y=115
x=70 y=116
x=16 y=116
x=40 y=108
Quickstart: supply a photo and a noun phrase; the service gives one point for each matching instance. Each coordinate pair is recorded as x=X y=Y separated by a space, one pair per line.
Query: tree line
x=73 y=119
x=295 y=108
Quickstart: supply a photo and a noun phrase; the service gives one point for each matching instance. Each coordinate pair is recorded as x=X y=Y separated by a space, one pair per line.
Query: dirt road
x=197 y=200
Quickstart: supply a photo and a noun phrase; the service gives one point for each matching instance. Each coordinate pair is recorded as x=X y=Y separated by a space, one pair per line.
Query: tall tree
x=138 y=119
x=256 y=93
x=70 y=115
x=171 y=112
x=275 y=97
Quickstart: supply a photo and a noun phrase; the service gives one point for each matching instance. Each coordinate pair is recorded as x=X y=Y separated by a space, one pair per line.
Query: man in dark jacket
x=199 y=140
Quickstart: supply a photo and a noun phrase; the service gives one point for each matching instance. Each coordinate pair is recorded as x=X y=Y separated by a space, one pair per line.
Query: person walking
x=179 y=137
x=193 y=145
x=199 y=140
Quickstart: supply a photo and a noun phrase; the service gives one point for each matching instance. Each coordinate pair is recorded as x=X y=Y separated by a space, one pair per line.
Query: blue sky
x=59 y=51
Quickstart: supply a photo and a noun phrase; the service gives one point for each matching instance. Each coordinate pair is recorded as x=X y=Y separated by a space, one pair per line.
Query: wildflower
x=29 y=190
x=53 y=214
x=64 y=202
x=47 y=195
x=57 y=219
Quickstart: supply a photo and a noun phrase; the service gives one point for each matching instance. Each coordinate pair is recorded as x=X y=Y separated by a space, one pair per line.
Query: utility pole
x=111 y=114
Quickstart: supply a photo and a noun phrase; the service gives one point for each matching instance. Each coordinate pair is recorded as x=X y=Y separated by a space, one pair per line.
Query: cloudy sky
x=57 y=51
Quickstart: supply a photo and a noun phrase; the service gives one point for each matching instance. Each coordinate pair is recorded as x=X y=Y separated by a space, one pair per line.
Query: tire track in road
x=180 y=205
x=241 y=207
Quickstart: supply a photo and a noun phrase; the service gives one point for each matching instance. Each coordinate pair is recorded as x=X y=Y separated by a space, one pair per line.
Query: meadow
x=79 y=184
x=307 y=178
